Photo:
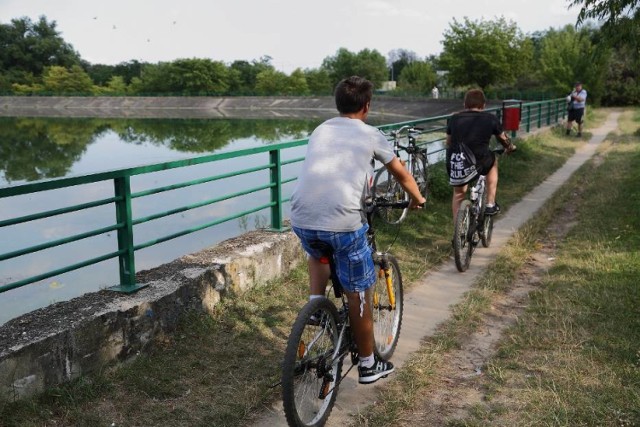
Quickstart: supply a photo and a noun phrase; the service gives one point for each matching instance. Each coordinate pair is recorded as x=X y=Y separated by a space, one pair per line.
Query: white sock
x=367 y=362
x=490 y=205
x=312 y=297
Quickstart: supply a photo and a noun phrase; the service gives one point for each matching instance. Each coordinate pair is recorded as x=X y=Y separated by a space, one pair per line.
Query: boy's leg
x=319 y=275
x=492 y=183
x=361 y=319
x=459 y=194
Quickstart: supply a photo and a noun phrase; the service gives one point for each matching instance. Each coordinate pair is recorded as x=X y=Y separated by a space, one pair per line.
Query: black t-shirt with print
x=475 y=129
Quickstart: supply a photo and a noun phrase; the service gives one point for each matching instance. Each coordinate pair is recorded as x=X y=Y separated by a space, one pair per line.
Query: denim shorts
x=351 y=253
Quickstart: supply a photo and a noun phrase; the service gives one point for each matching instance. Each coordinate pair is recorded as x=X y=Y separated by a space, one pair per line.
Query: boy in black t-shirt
x=474 y=128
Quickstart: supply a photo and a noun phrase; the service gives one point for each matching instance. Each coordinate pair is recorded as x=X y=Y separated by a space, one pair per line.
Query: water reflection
x=41 y=148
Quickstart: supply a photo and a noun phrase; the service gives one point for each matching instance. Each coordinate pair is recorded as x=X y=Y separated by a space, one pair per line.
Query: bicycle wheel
x=487 y=224
x=311 y=369
x=387 y=188
x=462 y=245
x=387 y=317
x=420 y=172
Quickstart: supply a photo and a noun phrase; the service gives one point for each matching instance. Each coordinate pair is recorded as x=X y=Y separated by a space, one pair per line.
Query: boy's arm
x=505 y=141
x=405 y=179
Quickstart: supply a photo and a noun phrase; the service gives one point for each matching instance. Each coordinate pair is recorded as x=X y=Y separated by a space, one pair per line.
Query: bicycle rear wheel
x=387 y=188
x=420 y=172
x=387 y=316
x=310 y=370
x=462 y=245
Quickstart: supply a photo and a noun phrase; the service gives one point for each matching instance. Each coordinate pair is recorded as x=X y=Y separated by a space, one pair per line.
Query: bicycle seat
x=325 y=249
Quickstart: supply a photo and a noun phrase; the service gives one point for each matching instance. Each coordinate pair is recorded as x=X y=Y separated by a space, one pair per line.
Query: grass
x=573 y=359
x=219 y=370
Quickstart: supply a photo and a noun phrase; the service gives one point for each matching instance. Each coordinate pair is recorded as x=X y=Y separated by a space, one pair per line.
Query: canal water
x=34 y=149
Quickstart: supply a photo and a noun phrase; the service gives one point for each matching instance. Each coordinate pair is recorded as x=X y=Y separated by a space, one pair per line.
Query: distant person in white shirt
x=435 y=92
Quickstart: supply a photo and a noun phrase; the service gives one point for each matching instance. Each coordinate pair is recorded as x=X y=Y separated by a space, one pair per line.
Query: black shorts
x=575 y=115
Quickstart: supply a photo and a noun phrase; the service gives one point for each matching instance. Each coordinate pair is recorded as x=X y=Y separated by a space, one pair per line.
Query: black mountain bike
x=385 y=184
x=321 y=336
x=472 y=226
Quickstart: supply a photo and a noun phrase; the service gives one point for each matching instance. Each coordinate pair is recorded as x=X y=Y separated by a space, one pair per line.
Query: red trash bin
x=511 y=115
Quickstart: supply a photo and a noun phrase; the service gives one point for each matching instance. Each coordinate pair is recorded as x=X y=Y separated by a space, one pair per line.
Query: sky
x=294 y=33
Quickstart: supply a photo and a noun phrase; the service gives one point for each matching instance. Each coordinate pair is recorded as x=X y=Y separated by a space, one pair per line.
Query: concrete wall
x=61 y=342
x=396 y=109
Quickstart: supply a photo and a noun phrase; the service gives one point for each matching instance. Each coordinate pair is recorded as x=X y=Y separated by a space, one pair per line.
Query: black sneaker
x=492 y=210
x=568 y=131
x=380 y=369
x=579 y=135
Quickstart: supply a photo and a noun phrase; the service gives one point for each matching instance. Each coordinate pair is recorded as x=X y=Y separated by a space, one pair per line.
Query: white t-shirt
x=336 y=175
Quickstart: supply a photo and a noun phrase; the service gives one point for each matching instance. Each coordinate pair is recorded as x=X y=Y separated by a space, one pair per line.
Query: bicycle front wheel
x=387 y=188
x=388 y=302
x=420 y=172
x=311 y=368
x=462 y=244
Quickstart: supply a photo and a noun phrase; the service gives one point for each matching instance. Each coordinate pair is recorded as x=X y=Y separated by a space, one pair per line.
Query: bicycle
x=321 y=338
x=471 y=225
x=385 y=184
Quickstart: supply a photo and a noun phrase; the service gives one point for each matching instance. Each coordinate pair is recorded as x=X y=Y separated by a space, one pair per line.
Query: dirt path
x=428 y=305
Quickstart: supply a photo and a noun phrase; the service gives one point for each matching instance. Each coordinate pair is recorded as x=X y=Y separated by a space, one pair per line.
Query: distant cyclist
x=327 y=206
x=475 y=127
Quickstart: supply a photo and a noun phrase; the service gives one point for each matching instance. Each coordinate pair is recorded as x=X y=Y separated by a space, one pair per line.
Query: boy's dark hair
x=352 y=94
x=474 y=98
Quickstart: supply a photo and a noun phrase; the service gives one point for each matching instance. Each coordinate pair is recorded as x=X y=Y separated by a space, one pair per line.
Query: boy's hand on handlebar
x=417 y=204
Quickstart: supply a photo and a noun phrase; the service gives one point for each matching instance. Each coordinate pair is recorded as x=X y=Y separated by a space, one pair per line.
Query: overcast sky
x=294 y=33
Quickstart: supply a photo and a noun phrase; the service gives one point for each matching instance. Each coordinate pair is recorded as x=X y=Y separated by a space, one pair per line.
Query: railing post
x=539 y=116
x=528 y=118
x=126 y=260
x=276 y=191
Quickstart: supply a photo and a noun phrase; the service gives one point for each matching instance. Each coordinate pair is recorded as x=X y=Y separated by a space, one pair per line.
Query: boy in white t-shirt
x=327 y=206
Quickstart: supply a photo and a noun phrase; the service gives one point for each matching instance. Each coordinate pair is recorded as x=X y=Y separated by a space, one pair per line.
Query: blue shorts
x=351 y=253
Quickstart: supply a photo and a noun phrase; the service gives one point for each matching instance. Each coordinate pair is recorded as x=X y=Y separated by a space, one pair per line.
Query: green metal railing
x=533 y=114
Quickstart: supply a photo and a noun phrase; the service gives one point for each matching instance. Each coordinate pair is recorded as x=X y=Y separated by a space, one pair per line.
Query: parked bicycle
x=472 y=226
x=321 y=336
x=385 y=184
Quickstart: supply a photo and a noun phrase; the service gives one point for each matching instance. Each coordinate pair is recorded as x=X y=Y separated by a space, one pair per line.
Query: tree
x=318 y=81
x=398 y=59
x=609 y=11
x=484 y=53
x=271 y=82
x=369 y=64
x=28 y=48
x=566 y=56
x=73 y=81
x=418 y=77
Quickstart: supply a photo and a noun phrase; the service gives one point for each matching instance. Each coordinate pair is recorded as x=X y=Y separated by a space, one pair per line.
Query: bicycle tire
x=420 y=172
x=487 y=224
x=306 y=376
x=387 y=319
x=387 y=188
x=462 y=245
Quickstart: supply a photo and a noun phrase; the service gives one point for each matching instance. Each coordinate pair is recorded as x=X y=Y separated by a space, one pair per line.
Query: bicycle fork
x=385 y=271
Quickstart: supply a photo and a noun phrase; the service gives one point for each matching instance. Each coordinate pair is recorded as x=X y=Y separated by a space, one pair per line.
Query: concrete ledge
x=61 y=342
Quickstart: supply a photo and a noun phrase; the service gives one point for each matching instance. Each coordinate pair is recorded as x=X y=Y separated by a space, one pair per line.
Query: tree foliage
x=418 y=77
x=27 y=48
x=484 y=53
x=367 y=63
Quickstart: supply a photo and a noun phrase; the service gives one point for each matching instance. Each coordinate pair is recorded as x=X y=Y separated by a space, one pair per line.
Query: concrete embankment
x=395 y=108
